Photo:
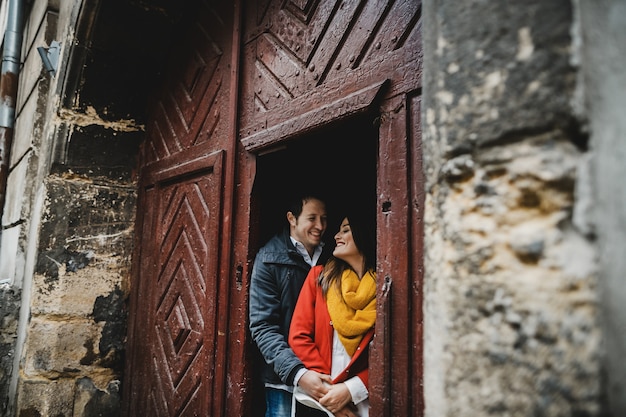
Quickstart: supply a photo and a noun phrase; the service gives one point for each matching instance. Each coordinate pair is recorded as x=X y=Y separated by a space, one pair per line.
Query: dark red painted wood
x=346 y=105
x=394 y=260
x=178 y=334
x=182 y=307
x=250 y=78
x=290 y=53
x=302 y=62
x=134 y=374
x=232 y=325
x=415 y=289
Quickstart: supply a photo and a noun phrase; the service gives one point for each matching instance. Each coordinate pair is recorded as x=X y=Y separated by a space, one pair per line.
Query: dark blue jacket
x=277 y=277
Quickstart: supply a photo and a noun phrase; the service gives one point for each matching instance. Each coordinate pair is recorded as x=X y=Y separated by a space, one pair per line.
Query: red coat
x=311 y=334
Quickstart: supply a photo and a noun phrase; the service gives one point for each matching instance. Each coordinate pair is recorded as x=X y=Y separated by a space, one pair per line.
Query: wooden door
x=308 y=65
x=304 y=65
x=179 y=297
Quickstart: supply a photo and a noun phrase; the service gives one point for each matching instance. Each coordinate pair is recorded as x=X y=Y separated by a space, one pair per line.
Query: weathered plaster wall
x=603 y=40
x=510 y=293
x=28 y=164
x=70 y=211
x=75 y=345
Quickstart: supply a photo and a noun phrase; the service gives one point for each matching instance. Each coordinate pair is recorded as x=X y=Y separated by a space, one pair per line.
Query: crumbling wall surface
x=510 y=292
x=9 y=313
x=74 y=348
x=70 y=222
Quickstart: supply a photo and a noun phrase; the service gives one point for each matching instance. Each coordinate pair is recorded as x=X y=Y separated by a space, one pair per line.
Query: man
x=278 y=273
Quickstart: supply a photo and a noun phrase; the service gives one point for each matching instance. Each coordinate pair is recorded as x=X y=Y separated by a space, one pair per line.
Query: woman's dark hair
x=363 y=228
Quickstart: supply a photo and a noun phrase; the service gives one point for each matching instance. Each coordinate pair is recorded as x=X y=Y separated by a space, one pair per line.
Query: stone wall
x=511 y=286
x=69 y=220
x=74 y=350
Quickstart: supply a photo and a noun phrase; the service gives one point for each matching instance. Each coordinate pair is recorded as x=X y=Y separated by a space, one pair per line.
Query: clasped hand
x=335 y=397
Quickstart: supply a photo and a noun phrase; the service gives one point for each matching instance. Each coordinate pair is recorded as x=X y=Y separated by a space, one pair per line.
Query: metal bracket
x=50 y=57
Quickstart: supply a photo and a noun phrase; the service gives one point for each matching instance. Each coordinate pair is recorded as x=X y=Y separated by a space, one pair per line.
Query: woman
x=333 y=321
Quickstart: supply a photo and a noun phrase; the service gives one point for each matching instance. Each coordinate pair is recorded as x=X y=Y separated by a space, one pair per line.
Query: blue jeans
x=278 y=403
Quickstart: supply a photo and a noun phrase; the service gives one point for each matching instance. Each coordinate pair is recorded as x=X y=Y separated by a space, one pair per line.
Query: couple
x=313 y=318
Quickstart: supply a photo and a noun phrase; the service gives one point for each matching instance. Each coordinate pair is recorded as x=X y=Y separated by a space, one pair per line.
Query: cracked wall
x=69 y=221
x=511 y=300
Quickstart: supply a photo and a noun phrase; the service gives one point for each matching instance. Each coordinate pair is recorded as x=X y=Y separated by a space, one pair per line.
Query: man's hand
x=315 y=384
x=337 y=399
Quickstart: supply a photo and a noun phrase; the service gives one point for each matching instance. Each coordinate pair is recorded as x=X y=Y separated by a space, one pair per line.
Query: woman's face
x=345 y=248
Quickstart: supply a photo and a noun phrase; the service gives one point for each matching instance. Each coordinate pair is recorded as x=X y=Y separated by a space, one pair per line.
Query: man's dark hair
x=296 y=205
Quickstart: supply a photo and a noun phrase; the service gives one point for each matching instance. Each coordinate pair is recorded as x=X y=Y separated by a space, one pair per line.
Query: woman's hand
x=336 y=400
x=315 y=384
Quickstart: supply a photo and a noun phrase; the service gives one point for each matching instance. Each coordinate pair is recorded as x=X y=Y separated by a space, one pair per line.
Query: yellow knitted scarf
x=353 y=312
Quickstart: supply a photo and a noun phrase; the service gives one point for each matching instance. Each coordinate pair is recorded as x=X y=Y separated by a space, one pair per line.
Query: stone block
x=73 y=293
x=90 y=401
x=61 y=348
x=38 y=398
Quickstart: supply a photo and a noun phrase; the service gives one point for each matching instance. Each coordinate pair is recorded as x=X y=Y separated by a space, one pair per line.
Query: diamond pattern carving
x=180 y=354
x=189 y=110
x=305 y=46
x=178 y=325
x=181 y=290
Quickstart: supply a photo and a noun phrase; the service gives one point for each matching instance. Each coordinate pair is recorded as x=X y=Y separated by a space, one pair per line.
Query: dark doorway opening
x=337 y=163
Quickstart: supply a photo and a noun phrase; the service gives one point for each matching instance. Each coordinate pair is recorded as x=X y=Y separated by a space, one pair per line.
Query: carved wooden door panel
x=177 y=348
x=180 y=303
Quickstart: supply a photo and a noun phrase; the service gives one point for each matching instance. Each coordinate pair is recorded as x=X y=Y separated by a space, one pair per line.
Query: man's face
x=309 y=227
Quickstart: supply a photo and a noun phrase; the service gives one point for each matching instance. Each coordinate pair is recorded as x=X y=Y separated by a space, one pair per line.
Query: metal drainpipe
x=11 y=55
